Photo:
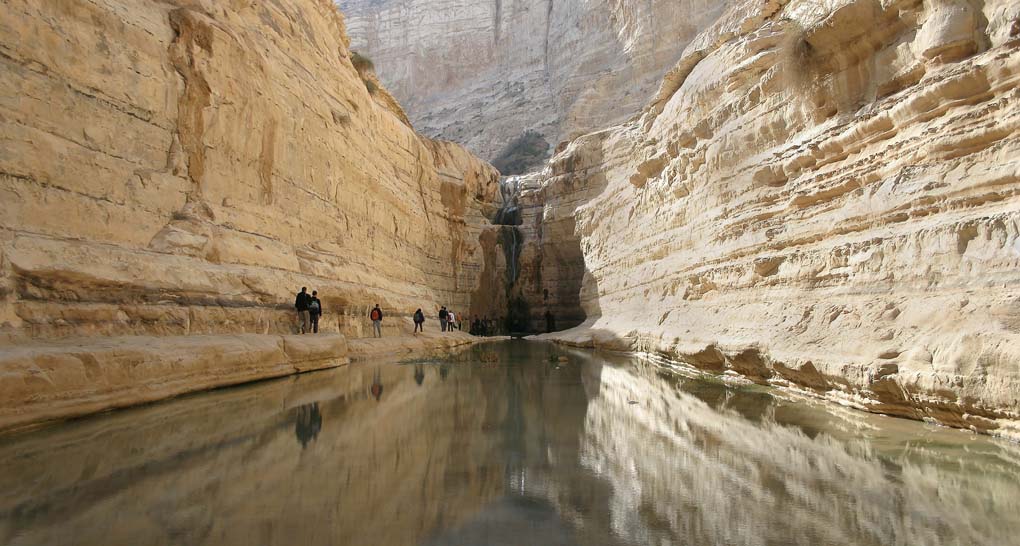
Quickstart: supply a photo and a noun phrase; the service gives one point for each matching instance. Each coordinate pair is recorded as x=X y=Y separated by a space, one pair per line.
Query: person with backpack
x=315 y=311
x=443 y=316
x=451 y=320
x=301 y=304
x=419 y=322
x=376 y=316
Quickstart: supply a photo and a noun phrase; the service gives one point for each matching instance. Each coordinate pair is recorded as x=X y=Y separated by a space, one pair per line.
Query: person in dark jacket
x=419 y=321
x=315 y=311
x=376 y=316
x=443 y=316
x=301 y=303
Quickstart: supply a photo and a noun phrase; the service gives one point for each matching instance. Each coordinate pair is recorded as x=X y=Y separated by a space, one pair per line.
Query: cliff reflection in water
x=601 y=450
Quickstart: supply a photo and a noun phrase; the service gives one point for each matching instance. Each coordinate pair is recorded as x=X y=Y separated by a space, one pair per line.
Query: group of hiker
x=448 y=320
x=309 y=309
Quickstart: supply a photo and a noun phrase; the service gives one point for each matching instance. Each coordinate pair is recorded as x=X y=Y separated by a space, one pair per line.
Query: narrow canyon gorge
x=821 y=195
x=817 y=195
x=737 y=272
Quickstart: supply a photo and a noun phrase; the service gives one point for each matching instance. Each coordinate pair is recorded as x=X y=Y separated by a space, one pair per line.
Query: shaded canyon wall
x=510 y=79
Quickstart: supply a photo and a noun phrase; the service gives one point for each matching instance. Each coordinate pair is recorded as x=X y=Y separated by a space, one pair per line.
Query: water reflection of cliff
x=597 y=451
x=705 y=464
x=225 y=468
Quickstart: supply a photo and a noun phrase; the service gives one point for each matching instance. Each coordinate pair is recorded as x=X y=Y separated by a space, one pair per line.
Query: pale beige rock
x=59 y=380
x=822 y=195
x=184 y=167
x=483 y=74
x=423 y=344
x=190 y=157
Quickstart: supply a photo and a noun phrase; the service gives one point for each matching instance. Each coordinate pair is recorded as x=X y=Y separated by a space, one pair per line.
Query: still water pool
x=504 y=445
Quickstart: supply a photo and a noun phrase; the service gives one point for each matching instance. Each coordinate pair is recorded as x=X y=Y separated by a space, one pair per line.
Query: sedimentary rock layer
x=182 y=167
x=511 y=79
x=823 y=195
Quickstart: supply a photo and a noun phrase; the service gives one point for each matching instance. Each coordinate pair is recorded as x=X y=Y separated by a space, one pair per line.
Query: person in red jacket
x=376 y=316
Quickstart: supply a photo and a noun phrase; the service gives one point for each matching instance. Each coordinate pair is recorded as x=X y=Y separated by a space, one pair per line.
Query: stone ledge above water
x=41 y=382
x=48 y=381
x=422 y=344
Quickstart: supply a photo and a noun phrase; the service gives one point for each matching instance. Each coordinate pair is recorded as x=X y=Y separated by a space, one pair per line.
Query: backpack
x=314 y=307
x=376 y=314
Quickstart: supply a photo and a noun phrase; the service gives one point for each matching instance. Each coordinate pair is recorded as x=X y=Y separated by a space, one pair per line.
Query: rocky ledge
x=70 y=378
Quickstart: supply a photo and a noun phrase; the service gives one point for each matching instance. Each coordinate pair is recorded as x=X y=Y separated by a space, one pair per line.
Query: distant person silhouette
x=315 y=311
x=444 y=317
x=419 y=321
x=301 y=304
x=376 y=316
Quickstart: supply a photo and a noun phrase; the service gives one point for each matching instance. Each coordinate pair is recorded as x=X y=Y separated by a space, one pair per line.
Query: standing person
x=419 y=321
x=301 y=304
x=315 y=311
x=376 y=316
x=443 y=316
x=451 y=320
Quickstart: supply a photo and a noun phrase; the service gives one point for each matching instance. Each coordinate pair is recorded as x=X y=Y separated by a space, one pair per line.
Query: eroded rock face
x=823 y=195
x=183 y=167
x=510 y=79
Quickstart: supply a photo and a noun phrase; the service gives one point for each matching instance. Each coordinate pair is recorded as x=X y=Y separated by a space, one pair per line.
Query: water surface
x=504 y=445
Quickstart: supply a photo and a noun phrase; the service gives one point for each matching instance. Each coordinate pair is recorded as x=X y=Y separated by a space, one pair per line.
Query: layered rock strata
x=822 y=195
x=182 y=167
x=510 y=79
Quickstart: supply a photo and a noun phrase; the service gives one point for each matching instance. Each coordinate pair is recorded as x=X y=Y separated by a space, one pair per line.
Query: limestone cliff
x=822 y=195
x=184 y=166
x=510 y=79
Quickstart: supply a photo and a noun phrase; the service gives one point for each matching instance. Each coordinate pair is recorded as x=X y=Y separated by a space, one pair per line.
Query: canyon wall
x=183 y=167
x=511 y=79
x=821 y=195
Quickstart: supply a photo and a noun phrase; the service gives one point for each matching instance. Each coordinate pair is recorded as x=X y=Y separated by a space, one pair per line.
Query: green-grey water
x=502 y=445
